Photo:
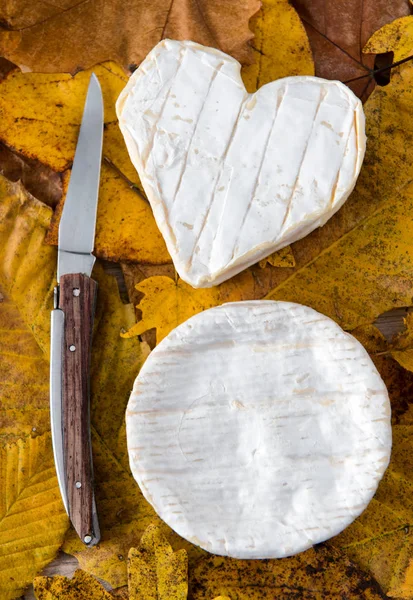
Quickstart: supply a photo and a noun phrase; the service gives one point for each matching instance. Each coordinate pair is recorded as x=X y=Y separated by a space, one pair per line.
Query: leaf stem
x=381 y=70
x=130 y=183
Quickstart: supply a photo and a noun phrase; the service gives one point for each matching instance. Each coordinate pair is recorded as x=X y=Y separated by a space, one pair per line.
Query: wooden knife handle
x=77 y=299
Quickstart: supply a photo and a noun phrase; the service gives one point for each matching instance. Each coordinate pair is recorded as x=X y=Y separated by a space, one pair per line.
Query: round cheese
x=257 y=429
x=232 y=176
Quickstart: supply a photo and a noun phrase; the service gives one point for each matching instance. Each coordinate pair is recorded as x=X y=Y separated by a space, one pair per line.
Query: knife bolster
x=77 y=299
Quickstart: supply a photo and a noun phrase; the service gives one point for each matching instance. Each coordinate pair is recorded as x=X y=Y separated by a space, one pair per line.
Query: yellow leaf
x=379 y=540
x=32 y=518
x=28 y=273
x=402 y=345
x=167 y=303
x=27 y=266
x=395 y=37
x=282 y=258
x=281 y=47
x=317 y=574
x=369 y=268
x=155 y=572
x=82 y=586
x=24 y=374
x=40 y=117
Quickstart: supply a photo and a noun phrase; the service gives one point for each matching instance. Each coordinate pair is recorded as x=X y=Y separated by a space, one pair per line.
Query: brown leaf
x=70 y=35
x=38 y=179
x=338 y=32
x=317 y=574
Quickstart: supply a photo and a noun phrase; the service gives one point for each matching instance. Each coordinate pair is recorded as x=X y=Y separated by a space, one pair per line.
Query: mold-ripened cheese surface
x=231 y=176
x=256 y=429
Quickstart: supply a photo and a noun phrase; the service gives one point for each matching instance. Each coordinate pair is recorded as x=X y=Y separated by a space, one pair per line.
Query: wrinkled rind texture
x=257 y=429
x=231 y=176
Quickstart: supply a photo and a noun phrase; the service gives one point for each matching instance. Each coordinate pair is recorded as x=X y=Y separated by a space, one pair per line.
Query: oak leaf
x=155 y=571
x=338 y=33
x=81 y=586
x=40 y=117
x=46 y=37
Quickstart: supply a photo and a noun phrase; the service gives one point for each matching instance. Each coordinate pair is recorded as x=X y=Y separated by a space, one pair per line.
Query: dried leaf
x=82 y=586
x=398 y=381
x=317 y=574
x=167 y=303
x=338 y=33
x=24 y=374
x=372 y=253
x=27 y=266
x=32 y=518
x=155 y=571
x=282 y=258
x=48 y=38
x=402 y=345
x=27 y=273
x=379 y=540
x=281 y=47
x=40 y=181
x=40 y=117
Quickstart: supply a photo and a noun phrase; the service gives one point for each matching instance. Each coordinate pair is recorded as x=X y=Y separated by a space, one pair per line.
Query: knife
x=72 y=325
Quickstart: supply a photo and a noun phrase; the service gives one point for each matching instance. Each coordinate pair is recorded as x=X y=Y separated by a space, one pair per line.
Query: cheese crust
x=257 y=429
x=231 y=176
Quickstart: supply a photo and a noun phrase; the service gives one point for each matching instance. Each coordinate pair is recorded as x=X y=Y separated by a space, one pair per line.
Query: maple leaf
x=46 y=37
x=281 y=47
x=339 y=32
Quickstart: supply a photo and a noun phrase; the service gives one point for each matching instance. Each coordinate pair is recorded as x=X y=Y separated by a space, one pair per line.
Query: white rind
x=257 y=429
x=231 y=176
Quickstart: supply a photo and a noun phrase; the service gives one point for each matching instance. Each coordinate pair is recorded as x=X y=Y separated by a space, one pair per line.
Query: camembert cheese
x=257 y=429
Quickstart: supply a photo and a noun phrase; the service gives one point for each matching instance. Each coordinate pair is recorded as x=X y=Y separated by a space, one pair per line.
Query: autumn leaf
x=45 y=129
x=82 y=586
x=24 y=373
x=155 y=571
x=402 y=345
x=32 y=518
x=371 y=252
x=46 y=37
x=281 y=47
x=28 y=274
x=282 y=258
x=317 y=574
x=41 y=181
x=339 y=32
x=379 y=539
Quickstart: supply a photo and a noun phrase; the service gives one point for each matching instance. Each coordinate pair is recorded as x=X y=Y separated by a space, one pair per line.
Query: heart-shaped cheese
x=231 y=176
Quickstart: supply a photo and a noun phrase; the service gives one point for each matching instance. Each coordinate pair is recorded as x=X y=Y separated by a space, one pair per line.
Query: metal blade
x=77 y=224
x=56 y=422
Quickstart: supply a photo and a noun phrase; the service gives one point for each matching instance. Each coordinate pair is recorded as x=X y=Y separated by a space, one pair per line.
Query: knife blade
x=72 y=325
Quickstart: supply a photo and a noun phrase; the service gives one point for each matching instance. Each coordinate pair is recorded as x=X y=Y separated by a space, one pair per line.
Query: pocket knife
x=72 y=325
